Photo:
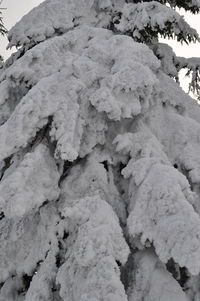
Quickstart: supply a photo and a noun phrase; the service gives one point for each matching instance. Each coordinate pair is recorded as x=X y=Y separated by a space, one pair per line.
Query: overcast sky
x=17 y=8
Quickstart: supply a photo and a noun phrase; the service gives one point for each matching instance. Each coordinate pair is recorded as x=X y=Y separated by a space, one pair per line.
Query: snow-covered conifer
x=99 y=155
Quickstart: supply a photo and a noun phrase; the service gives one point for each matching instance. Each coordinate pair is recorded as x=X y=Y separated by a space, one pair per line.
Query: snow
x=42 y=24
x=90 y=271
x=42 y=282
x=25 y=241
x=57 y=90
x=138 y=18
x=28 y=186
x=99 y=156
x=4 y=102
x=32 y=114
x=52 y=18
x=161 y=208
x=174 y=96
x=160 y=201
x=92 y=177
x=193 y=70
x=167 y=57
x=180 y=139
x=152 y=281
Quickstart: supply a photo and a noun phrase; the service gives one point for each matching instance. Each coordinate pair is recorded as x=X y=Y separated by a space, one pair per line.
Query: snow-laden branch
x=144 y=21
x=160 y=202
x=98 y=71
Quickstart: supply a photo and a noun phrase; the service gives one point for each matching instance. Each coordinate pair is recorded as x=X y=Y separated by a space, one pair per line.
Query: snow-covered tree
x=3 y=30
x=99 y=155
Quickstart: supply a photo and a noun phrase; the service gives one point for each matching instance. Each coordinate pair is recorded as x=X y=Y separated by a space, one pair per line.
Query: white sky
x=192 y=49
x=17 y=8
